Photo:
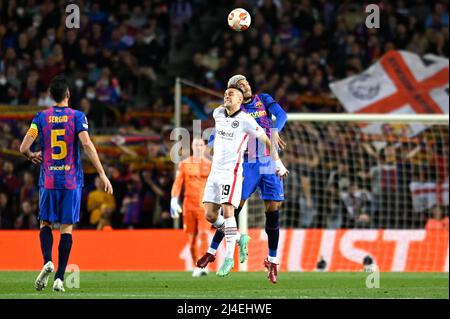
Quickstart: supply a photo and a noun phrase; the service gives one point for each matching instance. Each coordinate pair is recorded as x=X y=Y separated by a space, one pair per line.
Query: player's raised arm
x=90 y=150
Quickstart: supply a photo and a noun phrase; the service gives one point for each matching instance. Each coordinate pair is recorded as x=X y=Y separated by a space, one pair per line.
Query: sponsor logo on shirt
x=258 y=114
x=227 y=135
x=59 y=168
x=259 y=105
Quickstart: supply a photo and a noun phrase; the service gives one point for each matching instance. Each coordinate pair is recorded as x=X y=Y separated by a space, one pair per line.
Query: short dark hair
x=236 y=88
x=58 y=88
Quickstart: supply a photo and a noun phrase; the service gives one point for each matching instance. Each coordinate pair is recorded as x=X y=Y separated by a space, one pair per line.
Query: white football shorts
x=223 y=188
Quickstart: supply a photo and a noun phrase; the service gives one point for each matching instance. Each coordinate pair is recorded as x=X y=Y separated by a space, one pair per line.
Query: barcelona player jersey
x=58 y=129
x=258 y=108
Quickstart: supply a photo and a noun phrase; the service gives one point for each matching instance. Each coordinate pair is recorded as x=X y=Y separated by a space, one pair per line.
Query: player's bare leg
x=230 y=239
x=65 y=245
x=46 y=239
x=273 y=233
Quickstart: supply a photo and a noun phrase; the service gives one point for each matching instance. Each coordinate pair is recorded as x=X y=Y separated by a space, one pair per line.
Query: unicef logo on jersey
x=363 y=87
x=235 y=124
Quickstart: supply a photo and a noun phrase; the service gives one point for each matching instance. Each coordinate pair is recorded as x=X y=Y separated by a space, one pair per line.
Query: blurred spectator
x=437 y=219
x=6 y=211
x=164 y=221
x=383 y=180
x=125 y=55
x=27 y=218
x=9 y=182
x=29 y=191
x=357 y=203
x=338 y=184
x=101 y=206
x=161 y=186
x=132 y=203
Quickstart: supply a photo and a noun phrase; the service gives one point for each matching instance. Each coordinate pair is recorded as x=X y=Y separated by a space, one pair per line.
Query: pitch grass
x=181 y=285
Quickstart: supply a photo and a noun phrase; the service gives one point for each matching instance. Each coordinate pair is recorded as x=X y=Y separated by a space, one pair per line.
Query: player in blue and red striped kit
x=62 y=132
x=259 y=172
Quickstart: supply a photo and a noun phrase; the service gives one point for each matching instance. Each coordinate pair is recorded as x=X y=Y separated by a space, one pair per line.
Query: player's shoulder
x=244 y=116
x=219 y=111
x=38 y=114
x=39 y=117
x=78 y=113
x=266 y=98
x=187 y=160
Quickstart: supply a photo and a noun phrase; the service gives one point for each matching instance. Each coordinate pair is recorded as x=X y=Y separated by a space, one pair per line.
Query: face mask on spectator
x=2 y=80
x=90 y=95
x=79 y=83
x=148 y=39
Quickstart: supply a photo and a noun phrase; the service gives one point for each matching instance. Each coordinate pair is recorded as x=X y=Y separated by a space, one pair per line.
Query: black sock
x=219 y=235
x=65 y=244
x=46 y=238
x=273 y=231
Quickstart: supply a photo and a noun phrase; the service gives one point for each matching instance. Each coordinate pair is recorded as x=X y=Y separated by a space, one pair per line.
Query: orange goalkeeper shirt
x=193 y=173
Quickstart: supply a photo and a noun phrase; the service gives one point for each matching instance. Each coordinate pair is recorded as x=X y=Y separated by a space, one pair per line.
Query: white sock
x=230 y=236
x=273 y=260
x=238 y=235
x=219 y=222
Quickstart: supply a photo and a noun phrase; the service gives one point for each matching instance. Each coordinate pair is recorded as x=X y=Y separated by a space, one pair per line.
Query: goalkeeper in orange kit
x=193 y=173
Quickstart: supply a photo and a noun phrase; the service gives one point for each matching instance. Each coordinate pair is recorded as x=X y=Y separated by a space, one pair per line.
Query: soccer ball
x=239 y=19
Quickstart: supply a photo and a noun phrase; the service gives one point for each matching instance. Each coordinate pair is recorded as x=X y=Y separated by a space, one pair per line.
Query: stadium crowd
x=118 y=63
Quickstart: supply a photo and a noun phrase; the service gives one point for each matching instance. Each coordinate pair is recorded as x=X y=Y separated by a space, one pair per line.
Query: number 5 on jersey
x=61 y=144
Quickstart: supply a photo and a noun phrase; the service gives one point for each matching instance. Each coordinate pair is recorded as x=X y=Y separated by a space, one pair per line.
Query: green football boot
x=226 y=267
x=243 y=247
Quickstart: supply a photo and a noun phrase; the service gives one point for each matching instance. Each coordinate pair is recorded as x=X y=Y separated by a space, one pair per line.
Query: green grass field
x=180 y=285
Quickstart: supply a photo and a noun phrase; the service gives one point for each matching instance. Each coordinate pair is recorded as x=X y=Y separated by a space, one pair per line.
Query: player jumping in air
x=259 y=172
x=224 y=186
x=193 y=173
x=62 y=131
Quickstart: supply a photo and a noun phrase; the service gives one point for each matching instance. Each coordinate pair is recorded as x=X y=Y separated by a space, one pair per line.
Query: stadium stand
x=122 y=63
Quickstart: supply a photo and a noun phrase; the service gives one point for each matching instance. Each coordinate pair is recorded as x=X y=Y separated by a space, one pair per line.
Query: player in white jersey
x=224 y=186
